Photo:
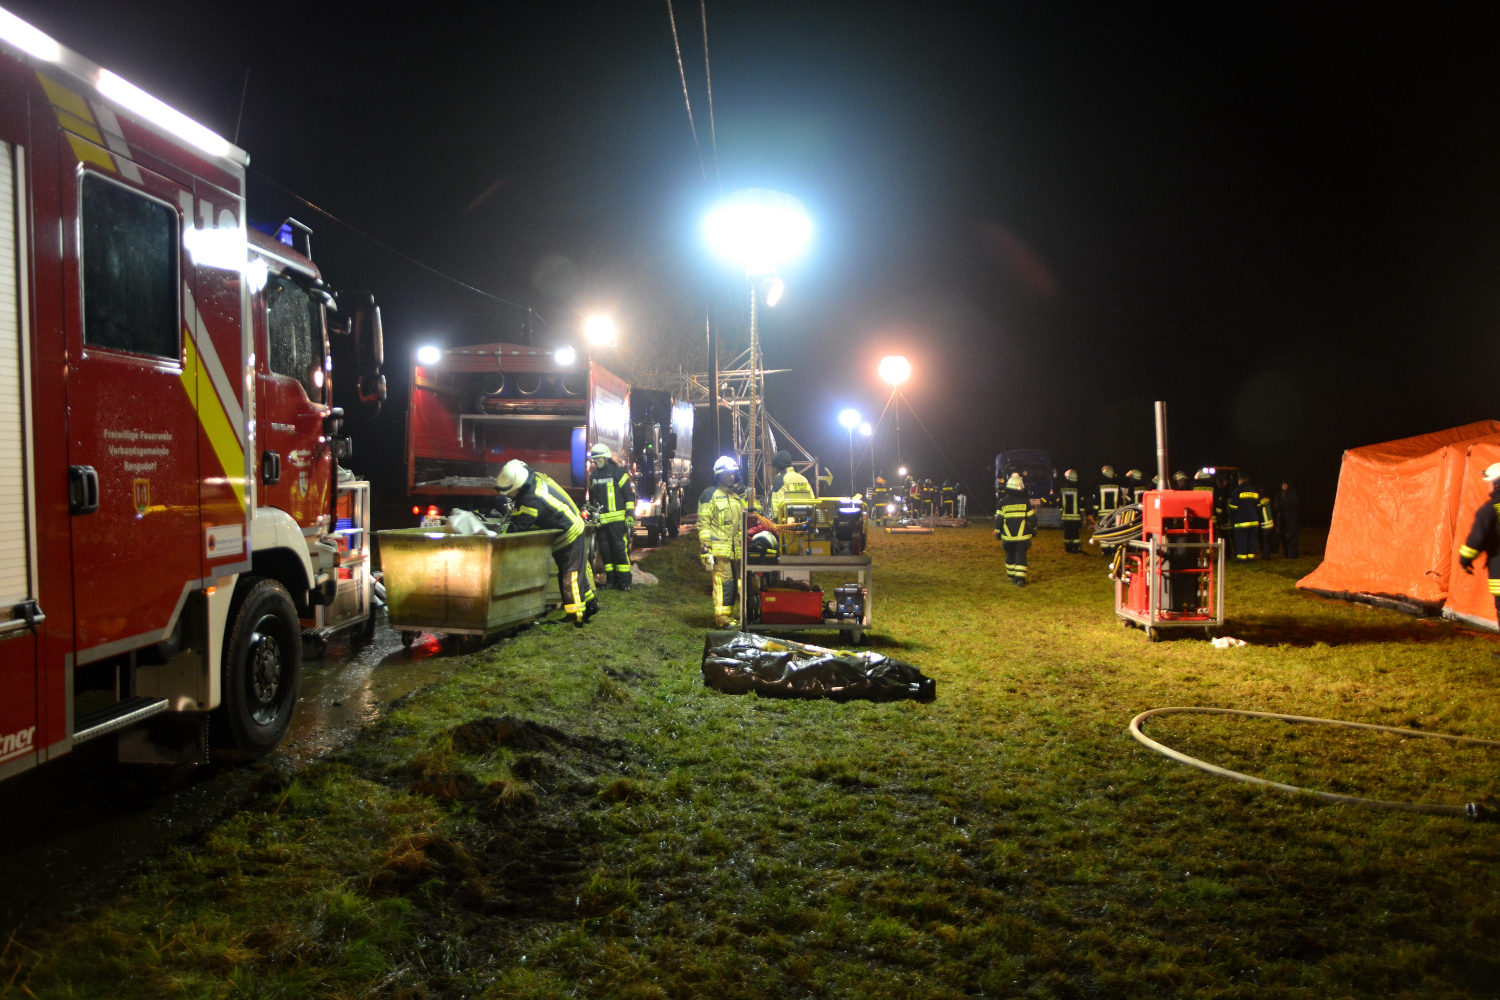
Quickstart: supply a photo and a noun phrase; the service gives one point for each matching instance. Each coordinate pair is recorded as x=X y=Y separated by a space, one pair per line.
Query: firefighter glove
x=708 y=560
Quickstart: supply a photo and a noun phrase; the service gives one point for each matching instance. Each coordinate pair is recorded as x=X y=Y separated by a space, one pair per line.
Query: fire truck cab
x=168 y=445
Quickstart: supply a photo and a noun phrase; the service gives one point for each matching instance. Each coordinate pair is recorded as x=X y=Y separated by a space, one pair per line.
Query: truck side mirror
x=360 y=317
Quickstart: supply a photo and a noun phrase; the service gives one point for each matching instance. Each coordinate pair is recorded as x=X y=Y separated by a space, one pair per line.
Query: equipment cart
x=353 y=603
x=1174 y=577
x=860 y=605
x=469 y=586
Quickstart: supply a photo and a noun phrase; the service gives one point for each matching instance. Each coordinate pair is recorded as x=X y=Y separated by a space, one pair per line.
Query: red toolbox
x=791 y=607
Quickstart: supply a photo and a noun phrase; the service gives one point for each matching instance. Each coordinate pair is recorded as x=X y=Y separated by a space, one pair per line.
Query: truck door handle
x=270 y=468
x=83 y=489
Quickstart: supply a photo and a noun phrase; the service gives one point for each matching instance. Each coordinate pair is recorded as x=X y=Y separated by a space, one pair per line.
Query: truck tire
x=674 y=524
x=262 y=668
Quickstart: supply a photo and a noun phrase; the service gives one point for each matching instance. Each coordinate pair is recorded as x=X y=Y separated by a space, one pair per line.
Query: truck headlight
x=643 y=508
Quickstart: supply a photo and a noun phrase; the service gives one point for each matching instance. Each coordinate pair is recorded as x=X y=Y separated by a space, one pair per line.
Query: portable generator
x=1172 y=575
x=824 y=526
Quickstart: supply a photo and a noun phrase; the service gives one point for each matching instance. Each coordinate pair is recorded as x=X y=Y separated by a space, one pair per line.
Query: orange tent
x=1396 y=514
x=1469 y=596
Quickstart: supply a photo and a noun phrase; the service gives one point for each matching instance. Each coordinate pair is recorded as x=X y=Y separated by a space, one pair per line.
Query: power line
x=685 y=99
x=390 y=249
x=951 y=467
x=708 y=76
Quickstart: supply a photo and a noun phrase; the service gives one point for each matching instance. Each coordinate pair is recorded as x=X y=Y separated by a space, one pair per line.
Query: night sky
x=1287 y=225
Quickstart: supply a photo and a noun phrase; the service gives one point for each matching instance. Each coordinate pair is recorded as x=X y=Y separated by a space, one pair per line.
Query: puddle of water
x=80 y=824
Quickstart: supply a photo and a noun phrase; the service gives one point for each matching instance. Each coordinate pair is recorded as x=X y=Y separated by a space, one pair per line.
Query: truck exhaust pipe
x=1164 y=482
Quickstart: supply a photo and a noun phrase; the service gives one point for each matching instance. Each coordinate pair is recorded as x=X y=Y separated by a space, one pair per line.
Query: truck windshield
x=294 y=323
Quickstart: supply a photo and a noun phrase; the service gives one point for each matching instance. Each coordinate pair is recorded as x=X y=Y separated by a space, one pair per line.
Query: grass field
x=573 y=814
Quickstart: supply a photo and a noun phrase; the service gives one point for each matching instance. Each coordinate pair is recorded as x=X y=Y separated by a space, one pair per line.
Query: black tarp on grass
x=741 y=662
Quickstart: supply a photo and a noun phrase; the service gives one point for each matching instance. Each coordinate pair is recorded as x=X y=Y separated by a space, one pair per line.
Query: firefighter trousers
x=614 y=543
x=576 y=580
x=1246 y=542
x=1015 y=561
x=726 y=590
x=1072 y=532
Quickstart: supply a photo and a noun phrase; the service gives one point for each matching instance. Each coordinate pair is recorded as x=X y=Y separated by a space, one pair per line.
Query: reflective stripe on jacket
x=1248 y=509
x=544 y=505
x=611 y=488
x=1015 y=521
x=789 y=487
x=1071 y=510
x=719 y=524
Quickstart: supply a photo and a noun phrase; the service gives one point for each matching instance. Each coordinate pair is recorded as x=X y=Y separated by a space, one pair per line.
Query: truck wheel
x=674 y=524
x=262 y=668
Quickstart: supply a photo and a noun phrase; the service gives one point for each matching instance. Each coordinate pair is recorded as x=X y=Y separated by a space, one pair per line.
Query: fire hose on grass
x=1487 y=810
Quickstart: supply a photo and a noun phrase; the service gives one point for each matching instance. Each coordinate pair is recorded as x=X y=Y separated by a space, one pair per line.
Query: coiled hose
x=1487 y=810
x=1121 y=525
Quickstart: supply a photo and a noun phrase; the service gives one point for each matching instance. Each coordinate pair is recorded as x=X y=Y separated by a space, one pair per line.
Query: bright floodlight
x=866 y=429
x=599 y=330
x=775 y=288
x=895 y=369
x=849 y=418
x=153 y=110
x=565 y=356
x=429 y=355
x=758 y=229
x=26 y=38
x=901 y=471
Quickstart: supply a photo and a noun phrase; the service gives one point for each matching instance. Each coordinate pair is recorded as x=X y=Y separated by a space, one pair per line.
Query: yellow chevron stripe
x=87 y=152
x=68 y=100
x=221 y=435
x=83 y=128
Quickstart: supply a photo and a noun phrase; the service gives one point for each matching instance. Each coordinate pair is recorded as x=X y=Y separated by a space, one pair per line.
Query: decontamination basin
x=437 y=581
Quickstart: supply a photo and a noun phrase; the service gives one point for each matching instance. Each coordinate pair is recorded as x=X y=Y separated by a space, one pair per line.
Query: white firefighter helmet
x=1133 y=474
x=1015 y=482
x=513 y=476
x=1108 y=472
x=725 y=464
x=1071 y=475
x=1203 y=474
x=1492 y=473
x=600 y=450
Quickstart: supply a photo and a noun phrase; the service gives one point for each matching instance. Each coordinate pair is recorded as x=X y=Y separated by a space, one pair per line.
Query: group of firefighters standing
x=922 y=499
x=1250 y=522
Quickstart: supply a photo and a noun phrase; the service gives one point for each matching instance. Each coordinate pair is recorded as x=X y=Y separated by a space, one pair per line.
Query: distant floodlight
x=866 y=429
x=775 y=288
x=429 y=355
x=901 y=471
x=599 y=330
x=895 y=369
x=26 y=38
x=758 y=229
x=565 y=356
x=849 y=418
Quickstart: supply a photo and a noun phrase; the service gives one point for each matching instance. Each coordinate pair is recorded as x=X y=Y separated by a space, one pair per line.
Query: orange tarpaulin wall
x=1395 y=515
x=1469 y=596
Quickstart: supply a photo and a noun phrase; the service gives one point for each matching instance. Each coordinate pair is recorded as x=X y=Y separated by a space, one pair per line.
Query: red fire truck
x=167 y=441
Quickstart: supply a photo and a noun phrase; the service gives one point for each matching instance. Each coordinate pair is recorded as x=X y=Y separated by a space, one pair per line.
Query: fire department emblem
x=142 y=495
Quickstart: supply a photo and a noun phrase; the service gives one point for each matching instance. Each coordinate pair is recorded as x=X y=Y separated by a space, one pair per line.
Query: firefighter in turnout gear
x=1135 y=485
x=929 y=497
x=1203 y=480
x=1180 y=481
x=611 y=490
x=720 y=531
x=882 y=497
x=1484 y=536
x=789 y=486
x=1072 y=512
x=539 y=503
x=948 y=499
x=1107 y=496
x=1249 y=511
x=1015 y=523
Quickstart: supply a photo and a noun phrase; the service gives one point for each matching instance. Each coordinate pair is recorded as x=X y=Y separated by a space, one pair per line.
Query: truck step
x=117 y=716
